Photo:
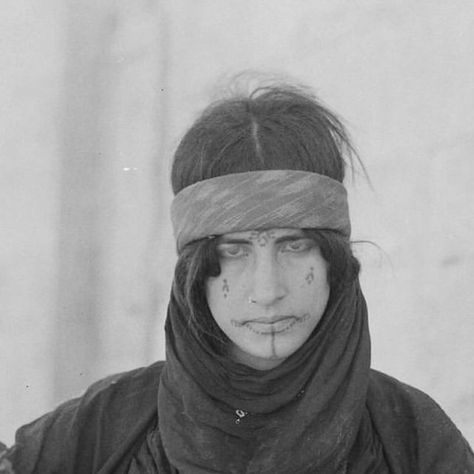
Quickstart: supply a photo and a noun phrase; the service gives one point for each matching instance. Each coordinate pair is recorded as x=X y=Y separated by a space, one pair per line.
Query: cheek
x=217 y=289
x=220 y=293
x=225 y=287
x=309 y=278
x=313 y=281
x=313 y=275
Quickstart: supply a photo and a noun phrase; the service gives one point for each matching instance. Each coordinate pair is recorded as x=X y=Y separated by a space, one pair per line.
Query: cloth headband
x=257 y=200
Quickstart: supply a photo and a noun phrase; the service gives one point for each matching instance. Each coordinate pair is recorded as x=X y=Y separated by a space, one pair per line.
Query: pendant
x=240 y=415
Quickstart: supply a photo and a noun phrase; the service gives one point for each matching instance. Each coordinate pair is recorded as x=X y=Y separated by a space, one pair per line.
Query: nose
x=267 y=285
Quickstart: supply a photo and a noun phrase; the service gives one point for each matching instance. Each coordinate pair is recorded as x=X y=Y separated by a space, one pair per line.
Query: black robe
x=112 y=428
x=321 y=410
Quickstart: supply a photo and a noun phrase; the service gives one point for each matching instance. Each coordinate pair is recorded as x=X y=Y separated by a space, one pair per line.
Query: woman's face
x=270 y=294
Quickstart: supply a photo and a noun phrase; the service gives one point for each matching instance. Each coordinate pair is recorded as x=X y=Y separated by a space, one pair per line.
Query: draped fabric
x=304 y=416
x=114 y=429
x=320 y=411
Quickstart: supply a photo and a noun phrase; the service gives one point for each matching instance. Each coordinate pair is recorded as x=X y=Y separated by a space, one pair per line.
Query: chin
x=280 y=356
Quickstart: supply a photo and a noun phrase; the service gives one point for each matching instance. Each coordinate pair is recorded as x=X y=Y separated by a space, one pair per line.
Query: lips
x=273 y=325
x=270 y=320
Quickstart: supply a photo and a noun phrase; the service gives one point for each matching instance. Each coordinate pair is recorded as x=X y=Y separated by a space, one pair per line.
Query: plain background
x=94 y=97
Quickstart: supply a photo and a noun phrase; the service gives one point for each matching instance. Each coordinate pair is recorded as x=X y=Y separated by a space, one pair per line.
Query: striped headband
x=258 y=200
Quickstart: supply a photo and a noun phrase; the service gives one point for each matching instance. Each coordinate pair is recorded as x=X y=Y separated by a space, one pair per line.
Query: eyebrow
x=240 y=240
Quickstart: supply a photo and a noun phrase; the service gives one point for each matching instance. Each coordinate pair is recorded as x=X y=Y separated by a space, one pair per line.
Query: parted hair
x=273 y=127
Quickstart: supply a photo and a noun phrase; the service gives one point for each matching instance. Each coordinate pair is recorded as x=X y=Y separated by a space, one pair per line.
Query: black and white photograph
x=236 y=237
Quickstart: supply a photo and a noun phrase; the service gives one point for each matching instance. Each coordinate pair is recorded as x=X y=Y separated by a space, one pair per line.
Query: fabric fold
x=310 y=406
x=259 y=200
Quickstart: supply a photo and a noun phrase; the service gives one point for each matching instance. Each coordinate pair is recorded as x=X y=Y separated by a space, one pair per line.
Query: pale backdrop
x=94 y=96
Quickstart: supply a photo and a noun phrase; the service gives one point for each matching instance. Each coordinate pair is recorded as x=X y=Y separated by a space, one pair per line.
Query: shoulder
x=414 y=429
x=390 y=395
x=133 y=386
x=111 y=415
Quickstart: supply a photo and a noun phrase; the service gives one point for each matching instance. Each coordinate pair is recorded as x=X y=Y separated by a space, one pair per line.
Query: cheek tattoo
x=225 y=288
x=310 y=276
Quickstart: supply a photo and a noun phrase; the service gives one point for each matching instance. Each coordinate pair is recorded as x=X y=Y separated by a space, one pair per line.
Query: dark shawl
x=321 y=411
x=303 y=416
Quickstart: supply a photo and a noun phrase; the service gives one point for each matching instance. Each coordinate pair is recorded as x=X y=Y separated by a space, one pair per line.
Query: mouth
x=270 y=320
x=269 y=325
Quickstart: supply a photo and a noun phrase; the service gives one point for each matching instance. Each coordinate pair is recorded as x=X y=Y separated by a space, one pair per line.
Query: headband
x=259 y=200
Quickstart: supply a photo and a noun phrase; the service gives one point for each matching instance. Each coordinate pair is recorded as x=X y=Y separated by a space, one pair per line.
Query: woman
x=267 y=346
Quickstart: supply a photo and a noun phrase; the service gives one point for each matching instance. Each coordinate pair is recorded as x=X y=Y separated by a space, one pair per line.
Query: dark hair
x=272 y=128
x=277 y=127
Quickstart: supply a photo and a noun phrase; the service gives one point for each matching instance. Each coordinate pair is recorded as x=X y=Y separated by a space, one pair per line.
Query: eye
x=295 y=246
x=232 y=251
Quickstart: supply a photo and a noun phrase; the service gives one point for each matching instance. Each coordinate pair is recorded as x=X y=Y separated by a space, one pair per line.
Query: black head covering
x=304 y=416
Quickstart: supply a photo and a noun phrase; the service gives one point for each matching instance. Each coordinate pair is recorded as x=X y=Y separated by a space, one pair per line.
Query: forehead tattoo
x=262 y=237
